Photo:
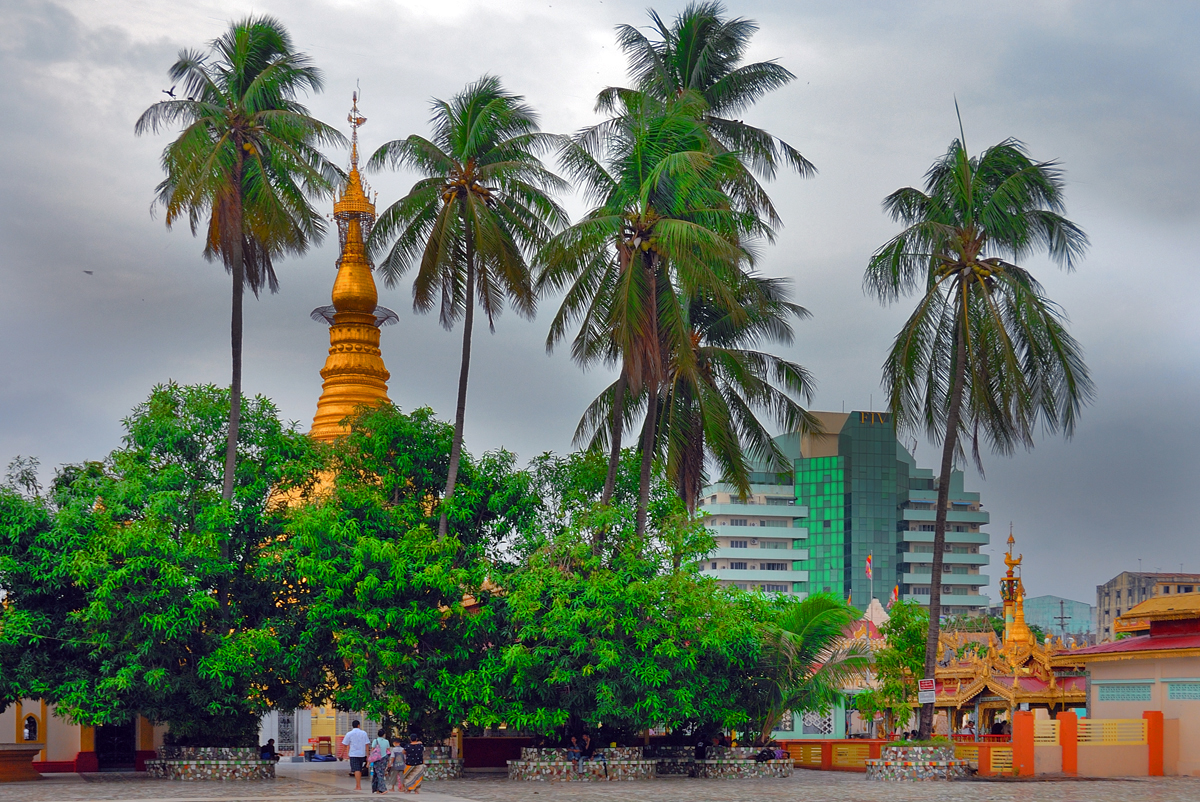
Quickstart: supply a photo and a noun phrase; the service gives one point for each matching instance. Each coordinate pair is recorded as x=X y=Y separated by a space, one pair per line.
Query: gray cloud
x=1110 y=89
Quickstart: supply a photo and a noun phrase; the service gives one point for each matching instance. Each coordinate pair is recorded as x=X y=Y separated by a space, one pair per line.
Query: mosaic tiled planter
x=569 y=771
x=197 y=763
x=443 y=768
x=736 y=769
x=560 y=753
x=916 y=764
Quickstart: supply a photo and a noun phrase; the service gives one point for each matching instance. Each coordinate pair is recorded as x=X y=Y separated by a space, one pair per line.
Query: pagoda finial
x=355 y=120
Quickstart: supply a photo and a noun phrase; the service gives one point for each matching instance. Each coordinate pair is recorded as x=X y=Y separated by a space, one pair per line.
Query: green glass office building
x=859 y=492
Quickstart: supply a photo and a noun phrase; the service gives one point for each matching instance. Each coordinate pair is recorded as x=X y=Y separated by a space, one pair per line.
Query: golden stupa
x=354 y=372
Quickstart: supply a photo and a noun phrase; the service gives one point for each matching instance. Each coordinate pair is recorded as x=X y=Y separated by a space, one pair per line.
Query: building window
x=1183 y=691
x=1124 y=693
x=738 y=544
x=775 y=566
x=714 y=565
x=775 y=588
x=920 y=591
x=738 y=566
x=31 y=728
x=787 y=722
x=738 y=522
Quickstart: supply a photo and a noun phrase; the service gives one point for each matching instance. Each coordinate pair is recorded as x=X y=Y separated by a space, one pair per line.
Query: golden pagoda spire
x=1012 y=590
x=354 y=372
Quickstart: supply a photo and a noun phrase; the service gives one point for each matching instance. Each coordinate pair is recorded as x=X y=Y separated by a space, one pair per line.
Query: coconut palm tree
x=246 y=160
x=663 y=229
x=717 y=385
x=702 y=51
x=483 y=203
x=806 y=661
x=985 y=355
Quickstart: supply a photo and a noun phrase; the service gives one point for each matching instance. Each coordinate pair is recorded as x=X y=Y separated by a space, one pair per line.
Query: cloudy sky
x=1110 y=89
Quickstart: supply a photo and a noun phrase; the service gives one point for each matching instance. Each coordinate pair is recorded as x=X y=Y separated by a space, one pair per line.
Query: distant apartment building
x=1130 y=588
x=854 y=491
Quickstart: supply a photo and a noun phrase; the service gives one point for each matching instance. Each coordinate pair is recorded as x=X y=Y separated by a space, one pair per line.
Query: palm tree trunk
x=939 y=527
x=460 y=411
x=618 y=429
x=647 y=457
x=238 y=269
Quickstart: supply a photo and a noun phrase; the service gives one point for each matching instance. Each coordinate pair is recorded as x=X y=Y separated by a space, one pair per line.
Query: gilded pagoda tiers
x=354 y=372
x=979 y=675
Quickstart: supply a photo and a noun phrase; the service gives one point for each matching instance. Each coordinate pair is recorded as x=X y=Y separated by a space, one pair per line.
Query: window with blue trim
x=1124 y=693
x=1183 y=691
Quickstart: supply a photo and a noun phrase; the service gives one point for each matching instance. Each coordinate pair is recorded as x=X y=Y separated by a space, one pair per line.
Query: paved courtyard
x=330 y=782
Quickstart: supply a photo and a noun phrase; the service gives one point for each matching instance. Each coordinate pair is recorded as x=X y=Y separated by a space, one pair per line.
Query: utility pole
x=1061 y=618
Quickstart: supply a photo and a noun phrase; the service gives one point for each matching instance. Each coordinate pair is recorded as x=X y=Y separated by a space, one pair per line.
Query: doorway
x=116 y=746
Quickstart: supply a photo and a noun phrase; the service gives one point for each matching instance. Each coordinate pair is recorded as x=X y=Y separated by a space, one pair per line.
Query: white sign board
x=926 y=692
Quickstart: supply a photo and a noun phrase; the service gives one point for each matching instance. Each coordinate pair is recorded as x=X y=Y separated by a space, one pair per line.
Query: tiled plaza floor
x=330 y=784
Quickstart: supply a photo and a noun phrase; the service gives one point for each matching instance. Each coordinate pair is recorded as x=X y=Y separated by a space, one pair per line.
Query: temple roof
x=1145 y=646
x=1167 y=608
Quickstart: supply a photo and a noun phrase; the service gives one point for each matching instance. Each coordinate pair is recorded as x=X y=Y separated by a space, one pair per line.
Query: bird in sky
x=170 y=92
x=89 y=272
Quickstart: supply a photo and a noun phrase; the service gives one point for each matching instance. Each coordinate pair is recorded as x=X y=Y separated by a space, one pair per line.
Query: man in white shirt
x=357 y=740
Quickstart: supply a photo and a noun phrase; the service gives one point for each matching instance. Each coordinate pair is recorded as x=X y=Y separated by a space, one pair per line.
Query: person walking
x=414 y=764
x=356 y=743
x=397 y=765
x=378 y=758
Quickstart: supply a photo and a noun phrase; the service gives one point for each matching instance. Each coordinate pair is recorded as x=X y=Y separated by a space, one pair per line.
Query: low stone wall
x=443 y=768
x=916 y=764
x=610 y=753
x=195 y=763
x=590 y=771
x=735 y=769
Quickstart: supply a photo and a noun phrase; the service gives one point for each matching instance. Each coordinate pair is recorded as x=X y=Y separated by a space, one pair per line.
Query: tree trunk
x=647 y=457
x=238 y=269
x=460 y=411
x=939 y=527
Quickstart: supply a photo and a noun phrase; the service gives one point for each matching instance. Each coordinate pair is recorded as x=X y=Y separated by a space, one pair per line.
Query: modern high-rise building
x=856 y=491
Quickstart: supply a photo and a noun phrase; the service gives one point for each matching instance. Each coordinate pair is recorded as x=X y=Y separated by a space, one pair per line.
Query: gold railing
x=967 y=752
x=1045 y=732
x=1112 y=731
x=851 y=755
x=805 y=754
x=1002 y=760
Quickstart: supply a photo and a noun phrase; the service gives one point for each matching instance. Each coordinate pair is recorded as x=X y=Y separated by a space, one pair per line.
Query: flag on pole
x=870 y=574
x=895 y=596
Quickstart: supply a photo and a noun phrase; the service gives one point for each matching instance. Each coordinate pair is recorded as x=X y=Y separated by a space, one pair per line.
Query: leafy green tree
x=118 y=605
x=663 y=229
x=897 y=666
x=485 y=202
x=247 y=160
x=634 y=639
x=806 y=660
x=985 y=355
x=399 y=607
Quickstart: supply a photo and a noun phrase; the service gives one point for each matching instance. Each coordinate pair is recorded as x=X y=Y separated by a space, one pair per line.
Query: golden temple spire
x=354 y=372
x=1012 y=591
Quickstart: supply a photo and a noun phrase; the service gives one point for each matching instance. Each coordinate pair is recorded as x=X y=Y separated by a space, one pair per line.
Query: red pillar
x=826 y=755
x=1022 y=742
x=1068 y=739
x=1154 y=739
x=985 y=759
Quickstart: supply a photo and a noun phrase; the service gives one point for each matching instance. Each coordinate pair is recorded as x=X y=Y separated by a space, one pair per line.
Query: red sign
x=318 y=740
x=926 y=685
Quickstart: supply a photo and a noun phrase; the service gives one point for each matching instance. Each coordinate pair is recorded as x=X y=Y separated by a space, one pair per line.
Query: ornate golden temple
x=980 y=675
x=354 y=372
